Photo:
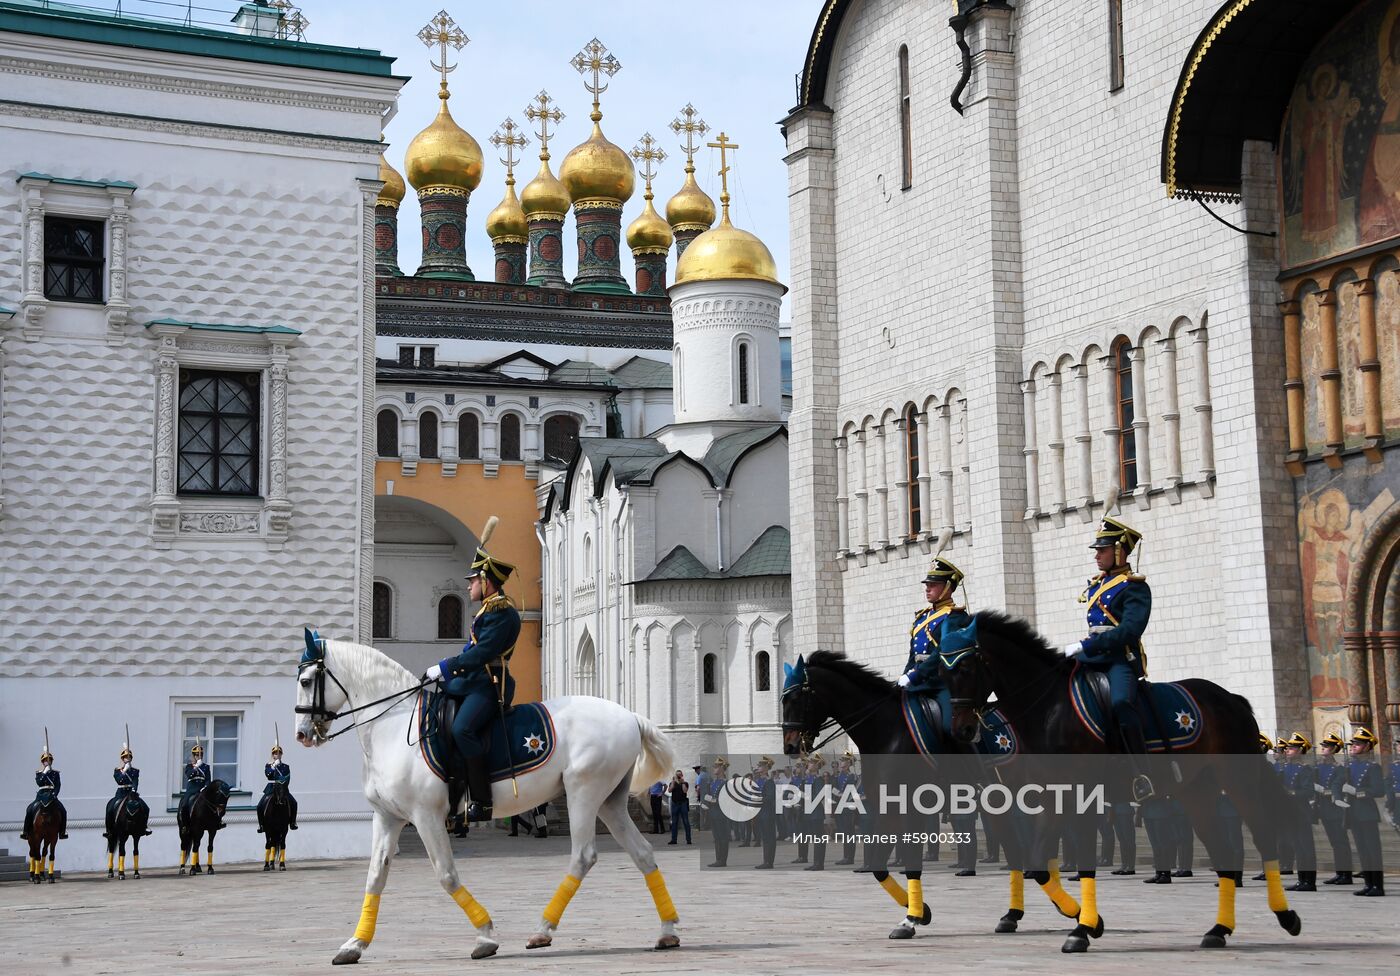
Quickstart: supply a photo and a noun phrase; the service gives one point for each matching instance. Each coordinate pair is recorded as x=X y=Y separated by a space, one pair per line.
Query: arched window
x=428 y=435
x=911 y=452
x=383 y=612
x=1127 y=440
x=742 y=372
x=388 y=430
x=906 y=122
x=707 y=670
x=587 y=568
x=560 y=437
x=468 y=437
x=761 y=679
x=450 y=617
x=587 y=674
x=510 y=437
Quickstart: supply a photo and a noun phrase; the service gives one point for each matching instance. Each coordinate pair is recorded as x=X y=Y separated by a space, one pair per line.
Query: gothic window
x=560 y=437
x=742 y=369
x=428 y=435
x=468 y=437
x=911 y=453
x=510 y=437
x=387 y=424
x=587 y=572
x=707 y=668
x=906 y=123
x=1127 y=439
x=73 y=253
x=383 y=612
x=450 y=618
x=1115 y=44
x=761 y=679
x=218 y=444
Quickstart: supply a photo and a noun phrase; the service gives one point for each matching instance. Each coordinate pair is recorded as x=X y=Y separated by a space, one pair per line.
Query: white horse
x=602 y=753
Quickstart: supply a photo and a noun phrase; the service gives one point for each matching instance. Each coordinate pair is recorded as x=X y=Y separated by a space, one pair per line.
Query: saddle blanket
x=528 y=741
x=923 y=717
x=1170 y=705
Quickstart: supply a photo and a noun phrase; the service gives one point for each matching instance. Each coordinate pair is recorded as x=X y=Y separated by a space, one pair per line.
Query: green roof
x=770 y=555
x=124 y=30
x=641 y=373
x=225 y=327
x=725 y=452
x=679 y=564
x=69 y=181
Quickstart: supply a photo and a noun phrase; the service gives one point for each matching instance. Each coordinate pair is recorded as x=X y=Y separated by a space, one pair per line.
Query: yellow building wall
x=471 y=498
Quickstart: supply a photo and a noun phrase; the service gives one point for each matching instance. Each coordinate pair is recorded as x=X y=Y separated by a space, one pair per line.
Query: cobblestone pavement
x=241 y=921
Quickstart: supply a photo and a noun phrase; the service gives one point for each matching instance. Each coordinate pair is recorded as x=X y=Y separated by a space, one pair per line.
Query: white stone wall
x=713 y=320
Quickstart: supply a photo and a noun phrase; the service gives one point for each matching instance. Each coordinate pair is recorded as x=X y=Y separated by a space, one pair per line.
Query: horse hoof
x=1212 y=941
x=927 y=917
x=110 y=875
x=902 y=932
x=52 y=879
x=1075 y=943
x=668 y=942
x=1290 y=921
x=121 y=876
x=539 y=942
x=182 y=872
x=136 y=874
x=281 y=867
x=1008 y=923
x=209 y=870
x=345 y=957
x=485 y=948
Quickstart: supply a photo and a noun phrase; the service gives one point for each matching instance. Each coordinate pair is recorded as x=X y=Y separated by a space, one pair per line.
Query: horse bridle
x=806 y=740
x=321 y=716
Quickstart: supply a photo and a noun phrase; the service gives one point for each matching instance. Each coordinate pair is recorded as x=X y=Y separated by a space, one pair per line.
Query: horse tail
x=655 y=759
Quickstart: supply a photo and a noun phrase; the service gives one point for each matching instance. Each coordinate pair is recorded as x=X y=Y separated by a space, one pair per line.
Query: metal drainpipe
x=719 y=531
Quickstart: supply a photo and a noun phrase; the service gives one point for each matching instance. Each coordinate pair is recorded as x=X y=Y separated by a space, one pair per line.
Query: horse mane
x=1019 y=632
x=369 y=667
x=861 y=675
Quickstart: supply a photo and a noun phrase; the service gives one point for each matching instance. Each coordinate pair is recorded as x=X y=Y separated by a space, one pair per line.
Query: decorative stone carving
x=220 y=523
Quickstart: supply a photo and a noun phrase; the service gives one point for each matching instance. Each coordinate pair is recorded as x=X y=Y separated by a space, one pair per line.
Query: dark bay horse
x=128 y=822
x=206 y=816
x=274 y=816
x=1006 y=658
x=829 y=688
x=43 y=839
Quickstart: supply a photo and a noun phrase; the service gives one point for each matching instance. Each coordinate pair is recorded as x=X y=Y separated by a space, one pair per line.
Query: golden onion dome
x=394 y=189
x=507 y=221
x=443 y=155
x=545 y=194
x=597 y=169
x=726 y=253
x=691 y=208
x=649 y=232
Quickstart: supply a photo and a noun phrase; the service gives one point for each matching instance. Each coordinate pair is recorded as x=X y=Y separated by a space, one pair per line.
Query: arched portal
x=1371 y=640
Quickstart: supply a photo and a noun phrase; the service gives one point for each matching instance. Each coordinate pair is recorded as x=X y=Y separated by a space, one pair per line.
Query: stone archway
x=1371 y=641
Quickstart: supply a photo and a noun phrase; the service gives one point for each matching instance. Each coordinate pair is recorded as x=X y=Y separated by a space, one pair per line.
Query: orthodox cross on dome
x=539 y=111
x=442 y=32
x=595 y=59
x=647 y=153
x=692 y=127
x=511 y=139
x=723 y=145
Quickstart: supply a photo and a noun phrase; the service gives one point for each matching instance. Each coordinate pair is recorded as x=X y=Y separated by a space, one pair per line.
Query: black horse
x=828 y=688
x=206 y=815
x=274 y=817
x=1031 y=683
x=127 y=821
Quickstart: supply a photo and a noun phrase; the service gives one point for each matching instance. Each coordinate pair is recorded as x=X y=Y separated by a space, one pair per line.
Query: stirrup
x=478 y=812
x=1142 y=788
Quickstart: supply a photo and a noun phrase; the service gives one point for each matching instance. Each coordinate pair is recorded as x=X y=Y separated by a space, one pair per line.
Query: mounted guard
x=194 y=777
x=921 y=671
x=1119 y=605
x=49 y=784
x=127 y=815
x=279 y=777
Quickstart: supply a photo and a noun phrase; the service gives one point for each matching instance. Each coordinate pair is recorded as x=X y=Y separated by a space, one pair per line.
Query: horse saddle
x=1171 y=717
x=47 y=799
x=133 y=805
x=528 y=742
x=923 y=716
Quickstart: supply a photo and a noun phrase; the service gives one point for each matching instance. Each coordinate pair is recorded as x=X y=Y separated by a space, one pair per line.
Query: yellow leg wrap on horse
x=110 y=855
x=1053 y=866
x=554 y=911
x=209 y=860
x=1225 y=904
x=1278 y=901
x=475 y=913
x=1063 y=900
x=284 y=855
x=369 y=916
x=52 y=861
x=1088 y=902
x=896 y=891
x=1018 y=890
x=184 y=856
x=665 y=908
x=194 y=858
x=121 y=863
x=136 y=862
x=915 y=907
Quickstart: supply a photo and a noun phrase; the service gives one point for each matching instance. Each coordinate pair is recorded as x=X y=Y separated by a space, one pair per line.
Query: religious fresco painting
x=1339 y=158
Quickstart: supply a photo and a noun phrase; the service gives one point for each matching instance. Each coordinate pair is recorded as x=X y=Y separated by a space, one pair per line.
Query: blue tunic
x=49 y=784
x=1364 y=776
x=195 y=778
x=276 y=773
x=1328 y=787
x=471 y=675
x=1119 y=608
x=127 y=780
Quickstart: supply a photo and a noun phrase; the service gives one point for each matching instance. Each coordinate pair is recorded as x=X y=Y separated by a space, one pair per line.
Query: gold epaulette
x=497 y=602
x=1137 y=578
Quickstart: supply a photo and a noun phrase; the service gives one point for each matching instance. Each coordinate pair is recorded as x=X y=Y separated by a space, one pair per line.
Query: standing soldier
x=1155 y=814
x=1298 y=780
x=795 y=826
x=846 y=818
x=1363 y=787
x=128 y=779
x=1119 y=606
x=1327 y=787
x=278 y=774
x=719 y=823
x=766 y=823
x=816 y=820
x=49 y=784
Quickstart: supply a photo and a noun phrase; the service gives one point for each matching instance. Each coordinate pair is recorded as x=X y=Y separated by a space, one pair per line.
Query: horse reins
x=869 y=711
x=321 y=714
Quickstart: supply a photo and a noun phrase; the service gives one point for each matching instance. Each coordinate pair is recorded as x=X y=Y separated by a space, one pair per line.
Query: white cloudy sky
x=734 y=60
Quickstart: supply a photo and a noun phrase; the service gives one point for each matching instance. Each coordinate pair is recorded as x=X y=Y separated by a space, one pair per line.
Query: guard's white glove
x=433 y=673
x=1074 y=648
x=902 y=681
x=1349 y=789
x=126 y=766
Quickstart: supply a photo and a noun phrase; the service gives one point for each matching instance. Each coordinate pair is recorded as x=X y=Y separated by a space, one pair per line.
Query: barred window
x=1127 y=437
x=743 y=368
x=510 y=437
x=450 y=618
x=761 y=679
x=382 y=612
x=468 y=436
x=560 y=437
x=219 y=414
x=73 y=256
x=428 y=435
x=387 y=424
x=406 y=354
x=708 y=669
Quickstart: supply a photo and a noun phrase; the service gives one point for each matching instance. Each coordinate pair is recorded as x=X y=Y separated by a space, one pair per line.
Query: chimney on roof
x=258 y=18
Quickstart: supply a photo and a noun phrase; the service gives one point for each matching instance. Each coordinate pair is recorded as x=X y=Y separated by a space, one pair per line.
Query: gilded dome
x=544 y=194
x=726 y=253
x=444 y=154
x=691 y=207
x=649 y=232
x=597 y=169
x=393 y=192
x=507 y=221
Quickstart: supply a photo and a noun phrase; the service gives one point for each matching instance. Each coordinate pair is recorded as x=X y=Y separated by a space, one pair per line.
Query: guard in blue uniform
x=766 y=823
x=49 y=784
x=128 y=780
x=1119 y=605
x=1298 y=780
x=480 y=674
x=1328 y=778
x=845 y=819
x=1363 y=787
x=278 y=773
x=719 y=823
x=195 y=776
x=921 y=670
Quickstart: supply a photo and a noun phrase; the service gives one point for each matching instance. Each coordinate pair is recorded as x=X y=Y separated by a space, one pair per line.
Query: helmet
x=1331 y=740
x=1364 y=736
x=1115 y=533
x=198 y=750
x=942 y=571
x=125 y=754
x=1265 y=743
x=1299 y=741
x=277 y=750
x=46 y=756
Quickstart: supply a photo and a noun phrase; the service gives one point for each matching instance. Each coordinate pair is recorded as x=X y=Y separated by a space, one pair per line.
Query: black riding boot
x=63 y=825
x=1136 y=748
x=28 y=823
x=479 y=786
